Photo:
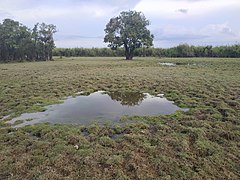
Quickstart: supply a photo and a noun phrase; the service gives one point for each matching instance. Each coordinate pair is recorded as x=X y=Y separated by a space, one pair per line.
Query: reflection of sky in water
x=167 y=64
x=100 y=107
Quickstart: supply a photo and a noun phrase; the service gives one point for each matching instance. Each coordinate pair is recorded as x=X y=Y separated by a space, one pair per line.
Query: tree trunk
x=128 y=56
x=128 y=53
x=50 y=55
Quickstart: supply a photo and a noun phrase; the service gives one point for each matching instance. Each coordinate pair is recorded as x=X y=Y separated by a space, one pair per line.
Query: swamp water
x=101 y=107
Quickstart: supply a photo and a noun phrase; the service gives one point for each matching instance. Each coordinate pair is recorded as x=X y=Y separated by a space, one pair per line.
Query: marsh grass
x=202 y=143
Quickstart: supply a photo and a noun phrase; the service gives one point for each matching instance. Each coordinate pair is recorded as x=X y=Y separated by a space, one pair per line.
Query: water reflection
x=127 y=98
x=101 y=107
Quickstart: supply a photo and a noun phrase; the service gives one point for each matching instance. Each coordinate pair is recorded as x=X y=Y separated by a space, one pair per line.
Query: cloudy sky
x=81 y=23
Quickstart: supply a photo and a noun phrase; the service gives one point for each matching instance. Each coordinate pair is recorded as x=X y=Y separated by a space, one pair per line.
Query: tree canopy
x=129 y=30
x=18 y=42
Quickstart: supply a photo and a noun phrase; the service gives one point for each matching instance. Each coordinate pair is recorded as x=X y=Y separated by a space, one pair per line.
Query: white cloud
x=197 y=22
x=218 y=29
x=15 y=4
x=182 y=10
x=87 y=42
x=220 y=34
x=211 y=34
x=44 y=9
x=172 y=21
x=169 y=8
x=48 y=12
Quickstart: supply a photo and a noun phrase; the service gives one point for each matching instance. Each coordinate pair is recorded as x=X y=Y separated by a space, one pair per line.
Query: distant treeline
x=183 y=50
x=19 y=43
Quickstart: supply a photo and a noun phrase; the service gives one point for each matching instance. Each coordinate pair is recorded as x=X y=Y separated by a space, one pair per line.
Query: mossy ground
x=201 y=143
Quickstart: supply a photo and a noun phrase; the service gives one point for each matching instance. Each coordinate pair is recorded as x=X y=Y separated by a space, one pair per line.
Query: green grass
x=202 y=143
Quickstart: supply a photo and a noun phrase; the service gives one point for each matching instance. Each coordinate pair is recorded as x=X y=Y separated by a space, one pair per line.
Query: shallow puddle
x=167 y=64
x=177 y=64
x=101 y=107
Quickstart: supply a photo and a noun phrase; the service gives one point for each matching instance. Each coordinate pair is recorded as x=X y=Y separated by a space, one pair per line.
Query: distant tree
x=184 y=50
x=43 y=39
x=17 y=42
x=129 y=30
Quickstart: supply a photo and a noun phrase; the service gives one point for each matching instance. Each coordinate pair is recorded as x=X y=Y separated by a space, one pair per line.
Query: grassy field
x=202 y=143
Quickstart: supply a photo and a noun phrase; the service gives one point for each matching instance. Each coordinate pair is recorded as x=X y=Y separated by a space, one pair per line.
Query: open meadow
x=202 y=143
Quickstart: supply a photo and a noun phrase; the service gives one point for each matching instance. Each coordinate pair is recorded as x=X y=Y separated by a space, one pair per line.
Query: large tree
x=129 y=30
